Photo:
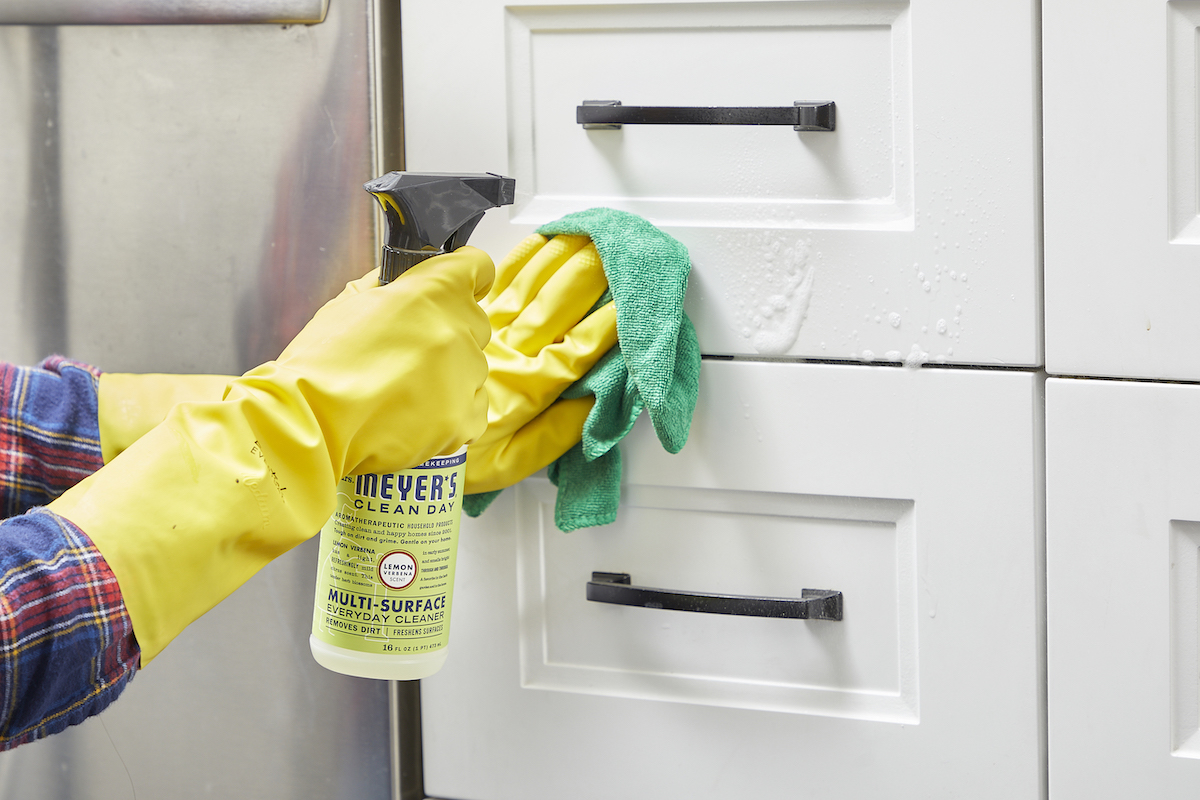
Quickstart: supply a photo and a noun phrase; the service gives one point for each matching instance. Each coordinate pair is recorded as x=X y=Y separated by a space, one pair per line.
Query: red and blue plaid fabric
x=49 y=431
x=67 y=647
x=66 y=643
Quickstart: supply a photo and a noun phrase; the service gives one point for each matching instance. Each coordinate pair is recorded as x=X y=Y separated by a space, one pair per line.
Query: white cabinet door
x=914 y=492
x=1122 y=188
x=1123 y=553
x=908 y=233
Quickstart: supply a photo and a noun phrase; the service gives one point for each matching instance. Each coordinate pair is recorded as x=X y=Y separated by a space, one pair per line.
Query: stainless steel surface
x=389 y=94
x=408 y=779
x=182 y=198
x=157 y=12
x=41 y=290
x=24 y=143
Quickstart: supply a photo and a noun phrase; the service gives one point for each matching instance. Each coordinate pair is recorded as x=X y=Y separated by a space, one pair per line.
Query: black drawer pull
x=614 y=587
x=611 y=115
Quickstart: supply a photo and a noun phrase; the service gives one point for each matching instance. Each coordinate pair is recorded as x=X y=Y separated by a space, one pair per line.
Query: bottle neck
x=395 y=261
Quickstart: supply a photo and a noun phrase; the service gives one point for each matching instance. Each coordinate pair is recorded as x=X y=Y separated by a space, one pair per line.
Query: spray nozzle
x=429 y=213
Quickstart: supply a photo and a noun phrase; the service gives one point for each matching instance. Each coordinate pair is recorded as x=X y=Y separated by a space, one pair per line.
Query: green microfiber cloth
x=655 y=365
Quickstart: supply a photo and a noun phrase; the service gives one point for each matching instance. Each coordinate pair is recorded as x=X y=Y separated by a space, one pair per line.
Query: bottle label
x=385 y=578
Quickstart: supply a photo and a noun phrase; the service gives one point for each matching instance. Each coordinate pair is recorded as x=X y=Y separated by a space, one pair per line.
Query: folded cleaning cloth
x=655 y=365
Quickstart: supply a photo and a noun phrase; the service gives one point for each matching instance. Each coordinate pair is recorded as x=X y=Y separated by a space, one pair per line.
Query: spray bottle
x=385 y=577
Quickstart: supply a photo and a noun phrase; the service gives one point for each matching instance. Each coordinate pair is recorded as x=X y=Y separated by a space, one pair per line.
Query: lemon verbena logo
x=397 y=569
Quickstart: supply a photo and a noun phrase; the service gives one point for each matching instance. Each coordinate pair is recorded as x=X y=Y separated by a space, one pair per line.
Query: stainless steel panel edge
x=208 y=199
x=160 y=12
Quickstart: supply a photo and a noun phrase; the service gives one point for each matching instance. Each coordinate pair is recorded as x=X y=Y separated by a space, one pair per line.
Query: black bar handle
x=611 y=115
x=615 y=587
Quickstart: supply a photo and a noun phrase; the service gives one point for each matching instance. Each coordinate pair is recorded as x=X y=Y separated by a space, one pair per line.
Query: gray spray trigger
x=430 y=213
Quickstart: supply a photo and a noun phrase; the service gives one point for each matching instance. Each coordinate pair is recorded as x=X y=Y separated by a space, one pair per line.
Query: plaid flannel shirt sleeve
x=49 y=431
x=67 y=647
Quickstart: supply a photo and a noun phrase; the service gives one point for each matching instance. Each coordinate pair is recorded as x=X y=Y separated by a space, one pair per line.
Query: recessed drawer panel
x=733 y=543
x=907 y=233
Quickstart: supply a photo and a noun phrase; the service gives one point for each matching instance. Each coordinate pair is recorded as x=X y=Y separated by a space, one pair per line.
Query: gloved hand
x=541 y=343
x=543 y=340
x=381 y=379
x=655 y=367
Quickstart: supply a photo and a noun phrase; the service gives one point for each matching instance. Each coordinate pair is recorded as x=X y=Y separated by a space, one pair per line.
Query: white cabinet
x=1122 y=188
x=1123 y=553
x=908 y=233
x=880 y=483
x=912 y=230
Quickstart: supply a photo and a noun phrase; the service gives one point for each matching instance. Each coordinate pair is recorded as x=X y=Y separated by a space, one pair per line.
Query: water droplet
x=941 y=326
x=894 y=319
x=926 y=286
x=867 y=355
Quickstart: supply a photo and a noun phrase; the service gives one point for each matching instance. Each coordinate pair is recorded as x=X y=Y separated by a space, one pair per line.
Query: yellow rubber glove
x=131 y=404
x=541 y=343
x=379 y=380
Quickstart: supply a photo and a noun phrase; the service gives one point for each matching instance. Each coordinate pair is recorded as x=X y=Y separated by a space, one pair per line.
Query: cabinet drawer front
x=722 y=56
x=876 y=482
x=1122 y=212
x=1123 y=588
x=907 y=233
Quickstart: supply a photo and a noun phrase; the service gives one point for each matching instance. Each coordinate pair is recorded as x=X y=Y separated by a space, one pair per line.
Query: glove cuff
x=130 y=405
x=199 y=504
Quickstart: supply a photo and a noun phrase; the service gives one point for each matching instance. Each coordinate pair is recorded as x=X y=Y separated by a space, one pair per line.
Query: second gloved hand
x=381 y=379
x=543 y=340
